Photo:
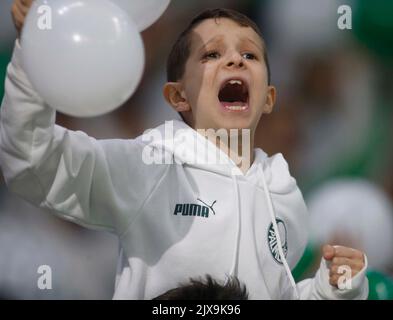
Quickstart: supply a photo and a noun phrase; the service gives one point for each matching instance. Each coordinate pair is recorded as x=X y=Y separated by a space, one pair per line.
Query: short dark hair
x=180 y=52
x=207 y=289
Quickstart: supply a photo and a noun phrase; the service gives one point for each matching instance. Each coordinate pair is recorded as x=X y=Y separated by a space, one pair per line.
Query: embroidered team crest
x=272 y=240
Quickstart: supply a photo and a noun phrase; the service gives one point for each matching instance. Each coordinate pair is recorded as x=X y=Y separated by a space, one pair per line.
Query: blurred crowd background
x=332 y=121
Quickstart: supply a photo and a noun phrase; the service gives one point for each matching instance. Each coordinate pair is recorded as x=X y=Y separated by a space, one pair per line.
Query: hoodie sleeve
x=97 y=184
x=319 y=288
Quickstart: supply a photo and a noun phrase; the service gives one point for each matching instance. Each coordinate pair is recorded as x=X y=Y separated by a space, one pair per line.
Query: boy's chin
x=229 y=124
x=226 y=122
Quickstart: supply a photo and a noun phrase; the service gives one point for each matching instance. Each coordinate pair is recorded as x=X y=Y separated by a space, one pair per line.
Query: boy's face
x=225 y=83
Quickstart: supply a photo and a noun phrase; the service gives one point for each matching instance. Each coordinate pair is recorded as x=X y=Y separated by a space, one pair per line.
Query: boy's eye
x=211 y=55
x=249 y=56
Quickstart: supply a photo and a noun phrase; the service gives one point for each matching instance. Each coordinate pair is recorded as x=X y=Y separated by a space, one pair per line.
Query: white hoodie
x=174 y=220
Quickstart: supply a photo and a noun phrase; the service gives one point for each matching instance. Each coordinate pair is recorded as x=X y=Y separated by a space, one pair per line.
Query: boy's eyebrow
x=219 y=38
x=255 y=44
x=216 y=38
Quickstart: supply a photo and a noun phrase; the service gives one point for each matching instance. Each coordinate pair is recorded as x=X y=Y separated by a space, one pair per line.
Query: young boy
x=179 y=219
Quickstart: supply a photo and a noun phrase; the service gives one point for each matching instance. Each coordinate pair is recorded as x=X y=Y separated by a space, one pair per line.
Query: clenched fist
x=19 y=10
x=342 y=256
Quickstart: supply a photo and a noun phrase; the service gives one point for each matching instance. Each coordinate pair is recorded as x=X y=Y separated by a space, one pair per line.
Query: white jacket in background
x=175 y=220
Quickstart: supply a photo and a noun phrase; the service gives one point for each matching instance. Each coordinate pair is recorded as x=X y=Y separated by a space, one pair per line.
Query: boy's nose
x=235 y=60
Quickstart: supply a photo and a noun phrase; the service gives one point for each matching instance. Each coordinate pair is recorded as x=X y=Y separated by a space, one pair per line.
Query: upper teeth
x=235 y=82
x=236 y=108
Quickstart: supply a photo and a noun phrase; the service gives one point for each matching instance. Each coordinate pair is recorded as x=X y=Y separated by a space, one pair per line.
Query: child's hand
x=19 y=10
x=342 y=256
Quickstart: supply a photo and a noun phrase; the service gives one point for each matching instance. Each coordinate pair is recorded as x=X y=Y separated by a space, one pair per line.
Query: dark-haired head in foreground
x=207 y=289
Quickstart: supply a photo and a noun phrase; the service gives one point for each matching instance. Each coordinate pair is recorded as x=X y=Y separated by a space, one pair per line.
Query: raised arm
x=98 y=184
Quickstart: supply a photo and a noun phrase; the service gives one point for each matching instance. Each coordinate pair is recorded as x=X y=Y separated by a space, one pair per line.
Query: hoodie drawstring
x=235 y=260
x=275 y=227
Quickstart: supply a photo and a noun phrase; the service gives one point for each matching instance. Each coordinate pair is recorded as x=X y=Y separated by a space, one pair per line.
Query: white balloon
x=358 y=210
x=84 y=57
x=143 y=12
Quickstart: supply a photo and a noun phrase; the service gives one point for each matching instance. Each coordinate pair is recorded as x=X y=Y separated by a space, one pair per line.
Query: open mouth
x=233 y=95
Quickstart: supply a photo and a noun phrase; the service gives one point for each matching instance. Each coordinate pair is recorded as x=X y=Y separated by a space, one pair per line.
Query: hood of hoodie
x=186 y=146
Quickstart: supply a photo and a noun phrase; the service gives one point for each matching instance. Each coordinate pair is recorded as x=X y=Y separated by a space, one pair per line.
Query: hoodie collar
x=186 y=146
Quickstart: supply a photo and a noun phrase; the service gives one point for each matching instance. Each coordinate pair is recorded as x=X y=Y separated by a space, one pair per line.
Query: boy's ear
x=270 y=100
x=176 y=97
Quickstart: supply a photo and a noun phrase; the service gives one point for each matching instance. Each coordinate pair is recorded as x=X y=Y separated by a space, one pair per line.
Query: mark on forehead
x=218 y=38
